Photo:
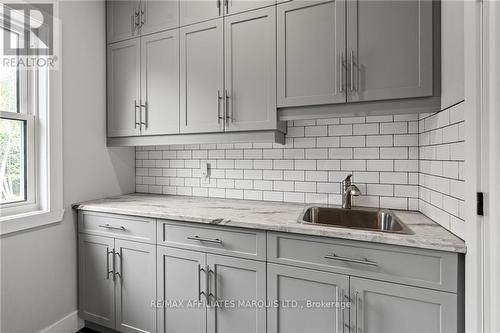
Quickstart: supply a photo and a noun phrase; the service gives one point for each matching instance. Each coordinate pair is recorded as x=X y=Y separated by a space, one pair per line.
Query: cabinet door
x=238 y=6
x=311 y=49
x=121 y=20
x=160 y=83
x=195 y=11
x=159 y=15
x=382 y=307
x=181 y=291
x=96 y=286
x=124 y=88
x=308 y=288
x=236 y=283
x=202 y=77
x=389 y=46
x=250 y=99
x=135 y=287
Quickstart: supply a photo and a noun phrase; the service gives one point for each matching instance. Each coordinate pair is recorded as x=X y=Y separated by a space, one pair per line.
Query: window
x=17 y=162
x=30 y=120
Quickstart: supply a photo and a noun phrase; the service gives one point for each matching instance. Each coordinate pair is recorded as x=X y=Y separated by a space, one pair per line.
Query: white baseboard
x=68 y=324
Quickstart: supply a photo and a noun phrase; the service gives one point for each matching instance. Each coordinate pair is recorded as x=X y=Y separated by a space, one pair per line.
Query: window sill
x=31 y=220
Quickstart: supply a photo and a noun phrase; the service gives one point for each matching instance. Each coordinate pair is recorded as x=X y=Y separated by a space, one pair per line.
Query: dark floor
x=87 y=330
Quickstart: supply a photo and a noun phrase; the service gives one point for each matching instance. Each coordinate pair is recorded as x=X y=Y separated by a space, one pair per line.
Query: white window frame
x=42 y=113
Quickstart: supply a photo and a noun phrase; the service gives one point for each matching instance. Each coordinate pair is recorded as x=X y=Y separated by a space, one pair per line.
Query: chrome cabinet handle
x=356 y=307
x=137 y=15
x=226 y=4
x=207 y=240
x=200 y=292
x=209 y=293
x=342 y=71
x=108 y=252
x=363 y=261
x=229 y=112
x=143 y=15
x=107 y=226
x=136 y=106
x=352 y=70
x=219 y=98
x=207 y=285
x=121 y=263
x=113 y=264
x=146 y=120
x=218 y=5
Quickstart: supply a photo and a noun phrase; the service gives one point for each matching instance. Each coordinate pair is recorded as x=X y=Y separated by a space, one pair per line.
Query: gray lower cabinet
x=308 y=288
x=181 y=291
x=381 y=307
x=96 y=285
x=135 y=289
x=199 y=292
x=117 y=283
x=236 y=284
x=375 y=306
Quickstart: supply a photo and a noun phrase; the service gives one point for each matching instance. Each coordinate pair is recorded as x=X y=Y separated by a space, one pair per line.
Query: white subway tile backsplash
x=401 y=162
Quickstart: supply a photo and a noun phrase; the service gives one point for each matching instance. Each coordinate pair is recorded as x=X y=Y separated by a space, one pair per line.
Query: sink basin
x=356 y=218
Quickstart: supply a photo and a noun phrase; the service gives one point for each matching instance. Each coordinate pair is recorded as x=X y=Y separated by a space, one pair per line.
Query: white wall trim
x=68 y=324
x=491 y=137
x=473 y=227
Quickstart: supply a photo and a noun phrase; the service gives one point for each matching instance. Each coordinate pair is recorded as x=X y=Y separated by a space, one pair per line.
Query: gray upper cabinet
x=159 y=15
x=236 y=280
x=238 y=6
x=195 y=11
x=122 y=20
x=96 y=286
x=389 y=49
x=128 y=19
x=311 y=51
x=135 y=287
x=181 y=277
x=160 y=83
x=124 y=88
x=392 y=308
x=250 y=82
x=201 y=78
x=285 y=283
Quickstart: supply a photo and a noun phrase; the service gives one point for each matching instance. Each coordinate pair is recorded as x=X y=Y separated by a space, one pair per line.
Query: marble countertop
x=272 y=216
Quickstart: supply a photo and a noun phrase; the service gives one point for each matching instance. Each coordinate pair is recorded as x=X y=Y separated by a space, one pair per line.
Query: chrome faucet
x=348 y=191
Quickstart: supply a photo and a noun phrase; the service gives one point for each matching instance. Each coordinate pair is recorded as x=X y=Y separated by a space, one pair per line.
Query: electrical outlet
x=205 y=172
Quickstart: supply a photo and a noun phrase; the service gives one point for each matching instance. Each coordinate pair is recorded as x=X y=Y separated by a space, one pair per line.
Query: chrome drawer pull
x=208 y=240
x=354 y=260
x=107 y=226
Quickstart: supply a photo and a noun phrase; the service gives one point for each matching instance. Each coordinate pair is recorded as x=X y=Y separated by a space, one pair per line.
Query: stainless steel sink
x=356 y=218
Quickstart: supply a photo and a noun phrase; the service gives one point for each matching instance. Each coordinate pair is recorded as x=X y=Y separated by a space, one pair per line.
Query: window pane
x=12 y=160
x=8 y=80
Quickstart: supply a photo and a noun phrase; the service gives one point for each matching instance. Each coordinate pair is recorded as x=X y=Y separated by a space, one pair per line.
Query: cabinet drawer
x=418 y=267
x=118 y=226
x=236 y=242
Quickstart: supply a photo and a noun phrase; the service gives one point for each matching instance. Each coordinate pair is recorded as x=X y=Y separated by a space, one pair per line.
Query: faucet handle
x=348 y=178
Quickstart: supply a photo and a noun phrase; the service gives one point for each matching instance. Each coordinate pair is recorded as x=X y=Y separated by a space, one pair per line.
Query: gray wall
x=38 y=267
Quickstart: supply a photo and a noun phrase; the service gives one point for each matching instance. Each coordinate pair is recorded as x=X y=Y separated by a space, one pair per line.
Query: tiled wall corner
x=381 y=152
x=441 y=166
